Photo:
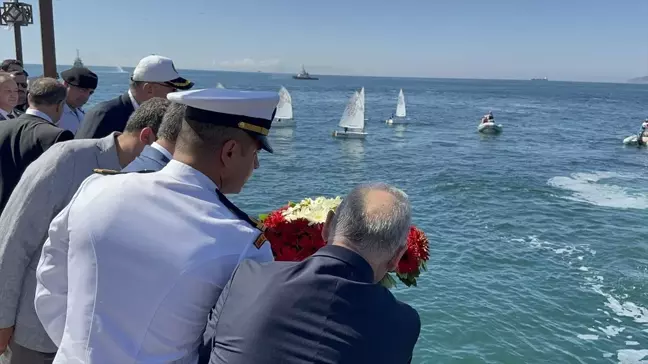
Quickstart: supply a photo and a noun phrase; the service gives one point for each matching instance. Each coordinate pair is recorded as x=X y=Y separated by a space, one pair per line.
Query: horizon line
x=365 y=76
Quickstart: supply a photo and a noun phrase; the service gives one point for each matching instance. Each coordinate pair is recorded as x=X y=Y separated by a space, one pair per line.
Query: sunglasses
x=22 y=84
x=166 y=85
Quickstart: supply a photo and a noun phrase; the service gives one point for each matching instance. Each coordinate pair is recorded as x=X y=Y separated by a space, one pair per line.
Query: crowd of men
x=118 y=243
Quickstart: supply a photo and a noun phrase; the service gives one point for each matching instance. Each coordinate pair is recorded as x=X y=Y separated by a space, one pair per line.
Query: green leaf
x=262 y=217
x=407 y=279
x=388 y=281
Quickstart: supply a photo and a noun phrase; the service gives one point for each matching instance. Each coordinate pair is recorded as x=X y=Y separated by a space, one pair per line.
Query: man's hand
x=5 y=336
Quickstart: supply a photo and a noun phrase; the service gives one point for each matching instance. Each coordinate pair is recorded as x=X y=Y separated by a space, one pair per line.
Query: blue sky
x=596 y=40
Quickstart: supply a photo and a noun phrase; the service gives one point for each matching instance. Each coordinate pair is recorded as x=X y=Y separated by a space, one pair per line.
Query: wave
x=616 y=307
x=589 y=188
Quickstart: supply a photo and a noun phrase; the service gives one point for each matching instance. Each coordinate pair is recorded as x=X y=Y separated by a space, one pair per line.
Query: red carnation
x=417 y=252
x=408 y=263
x=298 y=239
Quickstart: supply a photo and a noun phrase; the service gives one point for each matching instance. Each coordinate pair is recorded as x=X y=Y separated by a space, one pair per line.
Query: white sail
x=400 y=107
x=284 y=108
x=353 y=116
x=220 y=85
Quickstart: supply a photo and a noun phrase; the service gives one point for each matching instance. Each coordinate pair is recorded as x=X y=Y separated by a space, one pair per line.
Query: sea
x=539 y=235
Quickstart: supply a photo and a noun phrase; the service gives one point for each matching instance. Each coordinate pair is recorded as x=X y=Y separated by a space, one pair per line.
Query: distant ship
x=77 y=61
x=303 y=75
x=540 y=79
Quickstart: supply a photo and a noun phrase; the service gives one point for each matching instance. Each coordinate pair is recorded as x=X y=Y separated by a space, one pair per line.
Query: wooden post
x=18 y=42
x=47 y=38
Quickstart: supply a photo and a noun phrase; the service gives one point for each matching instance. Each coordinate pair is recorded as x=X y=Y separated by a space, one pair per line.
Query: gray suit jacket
x=150 y=159
x=45 y=188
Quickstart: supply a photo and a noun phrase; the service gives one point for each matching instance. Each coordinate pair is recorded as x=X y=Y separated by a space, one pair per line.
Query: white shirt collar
x=68 y=109
x=162 y=150
x=133 y=101
x=39 y=114
x=71 y=119
x=188 y=174
x=4 y=114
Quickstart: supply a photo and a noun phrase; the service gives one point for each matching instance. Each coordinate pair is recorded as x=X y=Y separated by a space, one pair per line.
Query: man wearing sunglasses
x=20 y=77
x=81 y=84
x=154 y=76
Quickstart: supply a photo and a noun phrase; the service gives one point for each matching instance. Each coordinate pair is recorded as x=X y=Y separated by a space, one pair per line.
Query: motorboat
x=634 y=140
x=489 y=127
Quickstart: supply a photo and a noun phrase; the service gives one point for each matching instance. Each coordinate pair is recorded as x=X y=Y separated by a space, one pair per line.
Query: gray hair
x=148 y=115
x=381 y=230
x=172 y=122
x=46 y=91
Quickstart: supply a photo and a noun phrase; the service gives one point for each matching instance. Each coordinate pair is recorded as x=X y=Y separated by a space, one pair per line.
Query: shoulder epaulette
x=261 y=239
x=110 y=172
x=105 y=172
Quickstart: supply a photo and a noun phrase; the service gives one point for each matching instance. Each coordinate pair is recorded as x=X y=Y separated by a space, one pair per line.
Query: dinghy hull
x=395 y=122
x=279 y=123
x=349 y=134
x=634 y=140
x=489 y=128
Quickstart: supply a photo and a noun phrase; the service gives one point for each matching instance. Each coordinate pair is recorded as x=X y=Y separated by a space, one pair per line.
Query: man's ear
x=227 y=152
x=147 y=87
x=327 y=226
x=147 y=136
x=393 y=262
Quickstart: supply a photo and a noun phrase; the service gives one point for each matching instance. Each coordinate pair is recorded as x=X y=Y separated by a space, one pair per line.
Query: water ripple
x=539 y=238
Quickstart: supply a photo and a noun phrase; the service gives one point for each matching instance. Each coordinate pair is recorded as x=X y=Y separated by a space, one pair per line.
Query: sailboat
x=77 y=61
x=353 y=120
x=284 y=114
x=219 y=85
x=401 y=112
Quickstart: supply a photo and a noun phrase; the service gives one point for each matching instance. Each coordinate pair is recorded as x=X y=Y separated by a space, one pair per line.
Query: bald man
x=328 y=308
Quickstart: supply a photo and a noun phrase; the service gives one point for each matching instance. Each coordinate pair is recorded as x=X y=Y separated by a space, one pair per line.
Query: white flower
x=315 y=211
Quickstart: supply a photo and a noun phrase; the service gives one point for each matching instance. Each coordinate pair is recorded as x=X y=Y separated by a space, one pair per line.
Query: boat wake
x=622 y=316
x=589 y=188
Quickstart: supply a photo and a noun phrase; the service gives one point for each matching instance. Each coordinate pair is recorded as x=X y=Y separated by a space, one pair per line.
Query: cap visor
x=180 y=83
x=265 y=144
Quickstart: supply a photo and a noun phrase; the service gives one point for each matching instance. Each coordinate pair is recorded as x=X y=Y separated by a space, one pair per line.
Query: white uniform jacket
x=136 y=261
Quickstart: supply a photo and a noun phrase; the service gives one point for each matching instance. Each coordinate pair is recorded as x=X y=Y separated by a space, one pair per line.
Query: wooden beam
x=18 y=42
x=47 y=38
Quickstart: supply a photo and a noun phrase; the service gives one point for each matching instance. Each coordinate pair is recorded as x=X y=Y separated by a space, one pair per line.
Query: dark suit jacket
x=22 y=140
x=323 y=310
x=105 y=118
x=19 y=110
x=150 y=159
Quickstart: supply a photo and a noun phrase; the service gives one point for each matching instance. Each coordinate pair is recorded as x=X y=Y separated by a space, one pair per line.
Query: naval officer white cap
x=251 y=111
